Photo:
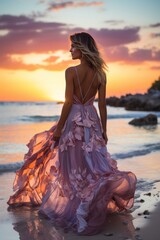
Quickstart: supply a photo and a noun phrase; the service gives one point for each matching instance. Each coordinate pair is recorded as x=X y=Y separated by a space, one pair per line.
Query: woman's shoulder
x=70 y=72
x=103 y=78
x=72 y=68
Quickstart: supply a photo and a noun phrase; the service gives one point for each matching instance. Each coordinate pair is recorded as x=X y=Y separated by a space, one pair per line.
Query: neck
x=83 y=61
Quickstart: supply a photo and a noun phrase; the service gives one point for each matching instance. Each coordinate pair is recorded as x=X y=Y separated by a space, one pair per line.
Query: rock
x=148 y=194
x=149 y=101
x=135 y=104
x=137 y=229
x=146 y=212
x=116 y=102
x=108 y=234
x=138 y=237
x=150 y=119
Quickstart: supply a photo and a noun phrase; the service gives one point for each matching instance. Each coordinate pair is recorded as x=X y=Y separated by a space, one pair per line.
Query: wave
x=129 y=115
x=26 y=103
x=141 y=184
x=39 y=118
x=148 y=148
x=10 y=167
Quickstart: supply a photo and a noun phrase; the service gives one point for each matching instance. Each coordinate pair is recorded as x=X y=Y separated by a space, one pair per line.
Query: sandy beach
x=136 y=149
x=141 y=222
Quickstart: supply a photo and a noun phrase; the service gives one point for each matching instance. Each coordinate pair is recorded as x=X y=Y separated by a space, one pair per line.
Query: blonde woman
x=68 y=171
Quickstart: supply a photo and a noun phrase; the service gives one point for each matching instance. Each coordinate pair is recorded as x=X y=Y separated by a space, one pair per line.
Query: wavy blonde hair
x=88 y=47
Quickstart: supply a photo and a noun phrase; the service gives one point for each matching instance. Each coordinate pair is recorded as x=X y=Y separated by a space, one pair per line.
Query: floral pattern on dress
x=77 y=133
x=96 y=143
x=68 y=140
x=85 y=121
x=80 y=181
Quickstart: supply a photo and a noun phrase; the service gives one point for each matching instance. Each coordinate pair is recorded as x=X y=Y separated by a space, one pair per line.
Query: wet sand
x=142 y=222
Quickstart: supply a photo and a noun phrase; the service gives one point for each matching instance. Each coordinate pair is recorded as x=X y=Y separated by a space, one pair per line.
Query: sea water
x=19 y=121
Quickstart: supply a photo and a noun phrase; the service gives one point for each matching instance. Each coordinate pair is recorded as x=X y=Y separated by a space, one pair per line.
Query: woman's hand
x=105 y=137
x=56 y=134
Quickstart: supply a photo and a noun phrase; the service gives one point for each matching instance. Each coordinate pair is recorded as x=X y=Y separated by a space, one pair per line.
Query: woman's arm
x=102 y=107
x=69 y=76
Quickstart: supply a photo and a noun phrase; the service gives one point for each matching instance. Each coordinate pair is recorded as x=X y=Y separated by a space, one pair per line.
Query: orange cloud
x=58 y=6
x=22 y=36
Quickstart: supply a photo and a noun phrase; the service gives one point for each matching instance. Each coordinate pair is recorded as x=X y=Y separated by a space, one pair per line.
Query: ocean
x=136 y=149
x=19 y=121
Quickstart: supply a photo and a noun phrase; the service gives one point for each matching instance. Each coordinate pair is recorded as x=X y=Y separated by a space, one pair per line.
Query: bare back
x=85 y=83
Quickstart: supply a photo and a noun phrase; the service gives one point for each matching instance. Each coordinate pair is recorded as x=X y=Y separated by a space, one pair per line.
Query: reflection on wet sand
x=31 y=226
x=121 y=224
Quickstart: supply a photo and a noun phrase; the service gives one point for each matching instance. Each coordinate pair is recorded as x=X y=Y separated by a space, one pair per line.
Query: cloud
x=23 y=35
x=8 y=63
x=141 y=55
x=74 y=4
x=124 y=55
x=24 y=23
x=52 y=64
x=114 y=22
x=26 y=35
x=37 y=14
x=114 y=37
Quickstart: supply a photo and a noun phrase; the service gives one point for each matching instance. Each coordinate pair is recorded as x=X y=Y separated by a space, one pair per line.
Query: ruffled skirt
x=75 y=181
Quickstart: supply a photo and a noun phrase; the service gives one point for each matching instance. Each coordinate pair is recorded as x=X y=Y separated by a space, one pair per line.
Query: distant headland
x=149 y=101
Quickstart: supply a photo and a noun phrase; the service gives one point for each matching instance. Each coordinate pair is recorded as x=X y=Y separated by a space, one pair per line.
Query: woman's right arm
x=102 y=107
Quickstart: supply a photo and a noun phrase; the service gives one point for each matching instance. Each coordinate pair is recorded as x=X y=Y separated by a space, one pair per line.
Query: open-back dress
x=75 y=182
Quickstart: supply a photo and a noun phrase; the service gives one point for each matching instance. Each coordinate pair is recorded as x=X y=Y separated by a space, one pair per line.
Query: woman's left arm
x=69 y=76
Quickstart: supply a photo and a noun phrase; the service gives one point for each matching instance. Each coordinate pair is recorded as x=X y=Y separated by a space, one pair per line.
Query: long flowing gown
x=75 y=181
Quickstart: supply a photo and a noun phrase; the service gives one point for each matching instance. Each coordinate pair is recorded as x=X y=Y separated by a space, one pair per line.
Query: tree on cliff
x=155 y=85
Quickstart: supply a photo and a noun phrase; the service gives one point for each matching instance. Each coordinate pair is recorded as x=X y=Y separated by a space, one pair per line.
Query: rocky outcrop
x=116 y=102
x=150 y=119
x=149 y=101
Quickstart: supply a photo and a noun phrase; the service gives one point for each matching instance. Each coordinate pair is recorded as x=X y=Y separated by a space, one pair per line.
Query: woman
x=67 y=170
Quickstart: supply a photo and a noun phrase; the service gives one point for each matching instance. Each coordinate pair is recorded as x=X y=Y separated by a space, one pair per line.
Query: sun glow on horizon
x=38 y=85
x=35 y=46
x=43 y=85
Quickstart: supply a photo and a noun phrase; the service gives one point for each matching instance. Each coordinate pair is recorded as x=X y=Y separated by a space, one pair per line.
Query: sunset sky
x=34 y=45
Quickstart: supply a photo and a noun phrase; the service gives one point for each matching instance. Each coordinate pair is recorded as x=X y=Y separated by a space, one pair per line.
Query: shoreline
x=25 y=223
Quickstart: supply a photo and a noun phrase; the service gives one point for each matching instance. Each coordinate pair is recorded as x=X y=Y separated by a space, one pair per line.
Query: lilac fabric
x=75 y=182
